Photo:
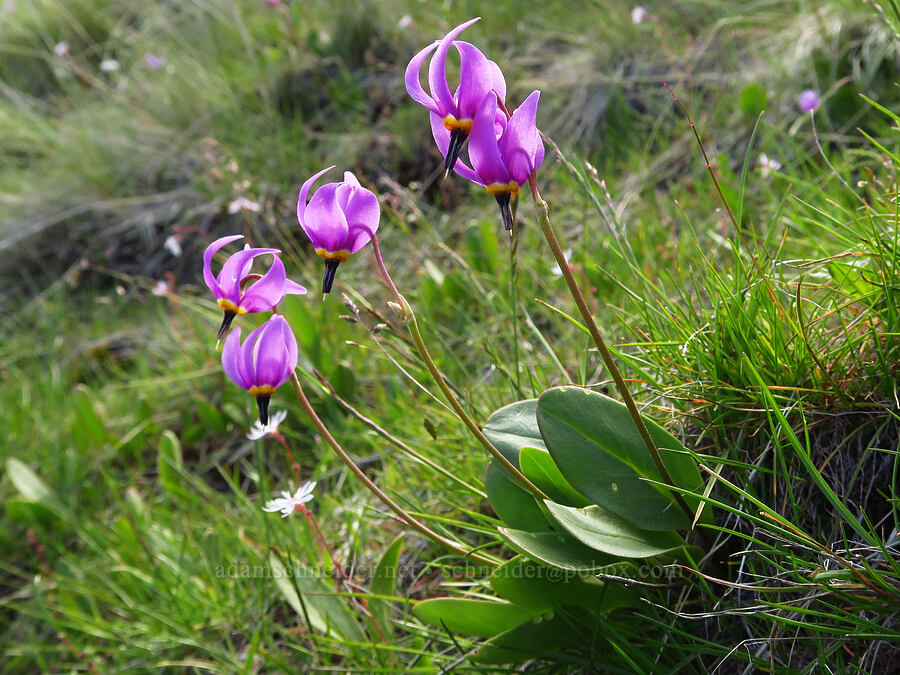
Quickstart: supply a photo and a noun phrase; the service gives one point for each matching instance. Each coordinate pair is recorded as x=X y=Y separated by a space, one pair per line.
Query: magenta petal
x=304 y=191
x=270 y=353
x=230 y=356
x=291 y=355
x=208 y=256
x=521 y=145
x=411 y=78
x=477 y=77
x=483 y=149
x=265 y=293
x=437 y=72
x=363 y=215
x=293 y=288
x=229 y=278
x=442 y=138
x=323 y=221
x=245 y=361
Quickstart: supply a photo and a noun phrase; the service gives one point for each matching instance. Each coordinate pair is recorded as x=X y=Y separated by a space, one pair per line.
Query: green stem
x=409 y=317
x=387 y=501
x=542 y=211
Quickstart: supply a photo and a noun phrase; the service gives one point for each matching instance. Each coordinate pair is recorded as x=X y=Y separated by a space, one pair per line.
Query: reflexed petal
x=411 y=78
x=483 y=149
x=477 y=77
x=270 y=353
x=291 y=354
x=304 y=191
x=208 y=256
x=363 y=215
x=230 y=275
x=350 y=179
x=293 y=288
x=323 y=221
x=266 y=293
x=437 y=72
x=230 y=359
x=246 y=362
x=442 y=138
x=521 y=145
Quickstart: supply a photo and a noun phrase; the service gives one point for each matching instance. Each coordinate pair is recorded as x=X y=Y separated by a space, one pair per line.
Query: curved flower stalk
x=502 y=163
x=454 y=113
x=231 y=288
x=339 y=219
x=263 y=362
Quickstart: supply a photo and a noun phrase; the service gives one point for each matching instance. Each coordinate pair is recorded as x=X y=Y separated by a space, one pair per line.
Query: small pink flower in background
x=405 y=22
x=453 y=110
x=153 y=62
x=809 y=100
x=339 y=220
x=263 y=362
x=173 y=245
x=638 y=14
x=767 y=164
x=273 y=2
x=230 y=288
x=61 y=49
x=243 y=204
x=109 y=65
x=288 y=503
x=160 y=289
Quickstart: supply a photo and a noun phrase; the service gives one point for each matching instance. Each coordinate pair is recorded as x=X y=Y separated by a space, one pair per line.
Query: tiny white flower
x=258 y=431
x=109 y=65
x=61 y=49
x=287 y=503
x=555 y=271
x=161 y=288
x=173 y=246
x=767 y=164
x=405 y=22
x=638 y=14
x=243 y=204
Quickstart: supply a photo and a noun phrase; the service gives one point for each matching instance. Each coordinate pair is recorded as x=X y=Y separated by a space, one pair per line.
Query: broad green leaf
x=26 y=481
x=539 y=467
x=28 y=512
x=169 y=462
x=753 y=100
x=558 y=549
x=605 y=531
x=540 y=589
x=324 y=609
x=514 y=426
x=383 y=583
x=512 y=504
x=596 y=446
x=537 y=638
x=467 y=616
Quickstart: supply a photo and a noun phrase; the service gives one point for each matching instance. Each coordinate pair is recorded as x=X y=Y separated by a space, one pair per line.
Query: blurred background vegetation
x=128 y=131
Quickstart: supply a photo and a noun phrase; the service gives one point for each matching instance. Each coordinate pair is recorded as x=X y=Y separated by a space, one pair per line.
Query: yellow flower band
x=229 y=306
x=263 y=390
x=340 y=256
x=501 y=188
x=453 y=124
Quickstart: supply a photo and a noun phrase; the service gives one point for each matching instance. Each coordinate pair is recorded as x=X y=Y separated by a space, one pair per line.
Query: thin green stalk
x=407 y=314
x=542 y=211
x=387 y=501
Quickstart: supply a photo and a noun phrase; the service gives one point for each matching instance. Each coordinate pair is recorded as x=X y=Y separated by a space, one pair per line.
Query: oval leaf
x=558 y=549
x=383 y=583
x=467 y=616
x=514 y=426
x=605 y=531
x=538 y=467
x=596 y=446
x=512 y=504
x=26 y=481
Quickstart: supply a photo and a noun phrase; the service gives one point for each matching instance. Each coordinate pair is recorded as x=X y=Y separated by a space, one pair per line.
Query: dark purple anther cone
x=457 y=139
x=331 y=266
x=226 y=323
x=262 y=402
x=503 y=199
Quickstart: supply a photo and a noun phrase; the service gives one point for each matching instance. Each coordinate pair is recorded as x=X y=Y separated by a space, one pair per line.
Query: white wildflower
x=109 y=65
x=638 y=14
x=243 y=204
x=288 y=503
x=173 y=246
x=767 y=164
x=258 y=431
x=61 y=49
